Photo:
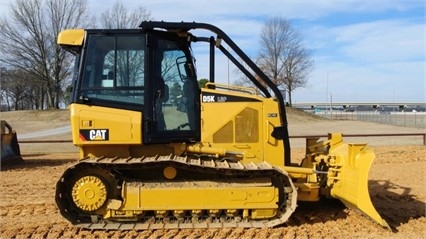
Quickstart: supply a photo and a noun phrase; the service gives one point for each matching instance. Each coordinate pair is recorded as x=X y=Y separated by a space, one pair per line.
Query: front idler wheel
x=89 y=193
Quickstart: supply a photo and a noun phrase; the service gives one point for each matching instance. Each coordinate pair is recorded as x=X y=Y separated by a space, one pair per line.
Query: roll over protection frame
x=280 y=132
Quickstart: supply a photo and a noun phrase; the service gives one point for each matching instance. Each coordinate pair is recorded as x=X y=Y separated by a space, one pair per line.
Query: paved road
x=50 y=132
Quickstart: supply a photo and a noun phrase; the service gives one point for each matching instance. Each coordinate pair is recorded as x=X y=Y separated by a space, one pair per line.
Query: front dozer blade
x=10 y=152
x=350 y=179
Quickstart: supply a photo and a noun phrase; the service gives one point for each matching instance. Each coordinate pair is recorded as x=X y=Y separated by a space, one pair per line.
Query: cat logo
x=94 y=134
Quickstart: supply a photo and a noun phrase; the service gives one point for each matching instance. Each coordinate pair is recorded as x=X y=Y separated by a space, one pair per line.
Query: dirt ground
x=397 y=185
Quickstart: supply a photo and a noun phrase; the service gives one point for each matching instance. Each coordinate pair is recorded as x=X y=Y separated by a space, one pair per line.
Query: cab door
x=173 y=102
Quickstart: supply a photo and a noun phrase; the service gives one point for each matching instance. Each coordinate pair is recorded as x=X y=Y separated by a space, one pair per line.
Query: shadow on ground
x=32 y=161
x=395 y=203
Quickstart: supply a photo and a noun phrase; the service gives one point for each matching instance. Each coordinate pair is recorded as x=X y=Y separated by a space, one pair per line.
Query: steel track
x=198 y=164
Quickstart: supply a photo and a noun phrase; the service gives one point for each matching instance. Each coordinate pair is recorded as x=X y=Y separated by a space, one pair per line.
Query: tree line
x=35 y=72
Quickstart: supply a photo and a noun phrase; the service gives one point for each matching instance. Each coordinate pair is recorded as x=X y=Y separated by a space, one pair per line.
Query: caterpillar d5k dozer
x=10 y=152
x=156 y=151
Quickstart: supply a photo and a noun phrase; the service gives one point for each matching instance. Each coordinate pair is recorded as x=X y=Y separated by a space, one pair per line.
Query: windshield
x=114 y=68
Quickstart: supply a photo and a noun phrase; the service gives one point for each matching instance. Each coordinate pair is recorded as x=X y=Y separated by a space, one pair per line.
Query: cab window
x=114 y=69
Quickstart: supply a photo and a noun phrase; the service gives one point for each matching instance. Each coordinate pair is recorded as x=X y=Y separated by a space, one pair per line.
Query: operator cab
x=147 y=71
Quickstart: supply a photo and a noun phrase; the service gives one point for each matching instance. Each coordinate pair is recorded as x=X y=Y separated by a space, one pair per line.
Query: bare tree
x=4 y=90
x=120 y=17
x=282 y=56
x=16 y=90
x=28 y=41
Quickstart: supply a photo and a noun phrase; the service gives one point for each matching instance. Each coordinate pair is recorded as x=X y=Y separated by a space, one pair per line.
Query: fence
x=405 y=119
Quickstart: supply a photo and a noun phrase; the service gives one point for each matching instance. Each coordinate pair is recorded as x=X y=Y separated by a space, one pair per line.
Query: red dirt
x=396 y=183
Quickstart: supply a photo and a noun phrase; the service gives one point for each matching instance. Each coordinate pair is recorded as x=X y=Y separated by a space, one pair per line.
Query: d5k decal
x=94 y=134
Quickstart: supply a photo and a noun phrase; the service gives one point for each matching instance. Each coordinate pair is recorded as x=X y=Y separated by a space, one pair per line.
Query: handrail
x=291 y=137
x=363 y=135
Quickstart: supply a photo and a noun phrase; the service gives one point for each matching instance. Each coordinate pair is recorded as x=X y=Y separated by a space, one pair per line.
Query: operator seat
x=161 y=94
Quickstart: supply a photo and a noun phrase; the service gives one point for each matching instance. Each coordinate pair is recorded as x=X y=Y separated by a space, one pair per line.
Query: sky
x=363 y=50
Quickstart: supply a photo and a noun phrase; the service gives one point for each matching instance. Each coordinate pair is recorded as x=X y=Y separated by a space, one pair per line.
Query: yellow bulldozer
x=158 y=151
